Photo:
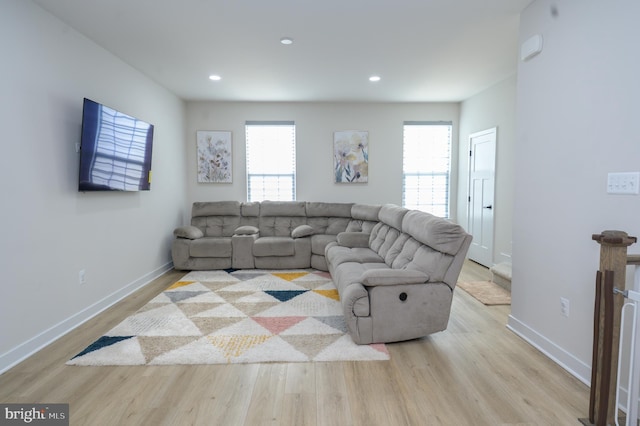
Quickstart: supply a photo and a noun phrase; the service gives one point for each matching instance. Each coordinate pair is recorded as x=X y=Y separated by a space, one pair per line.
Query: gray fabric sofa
x=398 y=284
x=395 y=269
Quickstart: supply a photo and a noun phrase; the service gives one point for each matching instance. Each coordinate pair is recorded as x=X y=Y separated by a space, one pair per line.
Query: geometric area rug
x=235 y=316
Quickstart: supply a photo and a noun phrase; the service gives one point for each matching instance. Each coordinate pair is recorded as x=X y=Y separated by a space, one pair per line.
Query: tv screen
x=115 y=150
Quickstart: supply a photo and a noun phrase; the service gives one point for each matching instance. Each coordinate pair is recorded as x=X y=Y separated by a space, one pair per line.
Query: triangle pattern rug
x=244 y=316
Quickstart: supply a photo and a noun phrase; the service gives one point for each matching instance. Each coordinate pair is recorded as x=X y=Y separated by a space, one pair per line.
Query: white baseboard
x=33 y=345
x=574 y=366
x=564 y=359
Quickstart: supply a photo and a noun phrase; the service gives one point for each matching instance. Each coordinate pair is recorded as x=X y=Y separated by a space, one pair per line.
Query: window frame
x=441 y=209
x=264 y=177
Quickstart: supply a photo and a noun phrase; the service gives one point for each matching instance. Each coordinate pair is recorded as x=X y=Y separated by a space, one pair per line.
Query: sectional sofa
x=395 y=269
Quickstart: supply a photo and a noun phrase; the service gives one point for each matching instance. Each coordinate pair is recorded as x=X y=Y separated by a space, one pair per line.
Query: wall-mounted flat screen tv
x=115 y=150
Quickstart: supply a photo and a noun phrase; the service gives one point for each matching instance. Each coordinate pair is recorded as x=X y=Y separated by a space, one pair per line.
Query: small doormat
x=219 y=317
x=486 y=292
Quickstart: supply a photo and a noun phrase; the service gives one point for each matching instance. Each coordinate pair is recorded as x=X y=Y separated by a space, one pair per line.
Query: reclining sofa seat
x=327 y=221
x=398 y=285
x=206 y=244
x=276 y=246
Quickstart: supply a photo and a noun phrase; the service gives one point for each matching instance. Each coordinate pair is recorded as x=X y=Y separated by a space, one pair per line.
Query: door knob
x=488 y=207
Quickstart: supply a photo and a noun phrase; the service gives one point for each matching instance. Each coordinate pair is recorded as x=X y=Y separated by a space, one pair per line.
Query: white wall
x=494 y=107
x=315 y=124
x=577 y=114
x=50 y=231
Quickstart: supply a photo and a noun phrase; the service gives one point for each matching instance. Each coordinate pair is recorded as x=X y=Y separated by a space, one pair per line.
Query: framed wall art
x=215 y=160
x=351 y=156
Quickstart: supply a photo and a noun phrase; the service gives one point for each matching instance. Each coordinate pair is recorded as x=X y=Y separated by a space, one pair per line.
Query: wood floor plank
x=332 y=395
x=476 y=372
x=266 y=406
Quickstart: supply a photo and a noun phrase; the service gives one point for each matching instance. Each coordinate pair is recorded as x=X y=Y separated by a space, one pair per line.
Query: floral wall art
x=214 y=156
x=351 y=156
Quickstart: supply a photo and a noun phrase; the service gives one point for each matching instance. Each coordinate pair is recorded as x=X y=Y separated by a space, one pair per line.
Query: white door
x=482 y=166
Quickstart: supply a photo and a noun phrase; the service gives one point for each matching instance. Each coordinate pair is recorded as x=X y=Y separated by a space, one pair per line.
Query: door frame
x=472 y=136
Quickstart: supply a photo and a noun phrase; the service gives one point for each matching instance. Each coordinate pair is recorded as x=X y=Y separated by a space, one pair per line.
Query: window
x=426 y=166
x=271 y=160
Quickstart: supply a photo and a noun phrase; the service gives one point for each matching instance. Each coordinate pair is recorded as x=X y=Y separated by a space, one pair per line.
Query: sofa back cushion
x=385 y=233
x=415 y=255
x=363 y=218
x=215 y=208
x=319 y=209
x=216 y=218
x=382 y=239
x=279 y=218
x=437 y=233
x=392 y=215
x=250 y=213
x=328 y=218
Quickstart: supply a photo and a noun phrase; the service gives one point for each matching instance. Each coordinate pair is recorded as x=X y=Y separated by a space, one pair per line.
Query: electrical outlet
x=565 y=307
x=82 y=279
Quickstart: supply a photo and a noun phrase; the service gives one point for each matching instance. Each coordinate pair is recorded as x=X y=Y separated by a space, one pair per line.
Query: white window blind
x=271 y=160
x=426 y=166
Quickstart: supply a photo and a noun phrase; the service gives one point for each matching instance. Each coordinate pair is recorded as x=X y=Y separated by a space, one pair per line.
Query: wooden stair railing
x=606 y=330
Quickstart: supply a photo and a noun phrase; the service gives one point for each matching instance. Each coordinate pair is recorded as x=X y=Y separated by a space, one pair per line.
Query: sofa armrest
x=246 y=230
x=353 y=239
x=302 y=231
x=376 y=277
x=355 y=302
x=189 y=232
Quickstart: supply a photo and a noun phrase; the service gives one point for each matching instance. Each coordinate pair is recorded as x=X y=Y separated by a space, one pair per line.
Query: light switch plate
x=623 y=183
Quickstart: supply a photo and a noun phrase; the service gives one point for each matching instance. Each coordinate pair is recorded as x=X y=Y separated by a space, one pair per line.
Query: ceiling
x=423 y=50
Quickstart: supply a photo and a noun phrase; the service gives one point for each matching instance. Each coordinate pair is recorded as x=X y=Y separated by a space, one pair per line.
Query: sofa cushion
x=210 y=247
x=433 y=262
x=407 y=252
x=215 y=208
x=320 y=209
x=283 y=208
x=353 y=239
x=382 y=238
x=217 y=226
x=433 y=231
x=279 y=226
x=365 y=212
x=337 y=255
x=319 y=242
x=189 y=232
x=274 y=246
x=250 y=209
x=328 y=225
x=302 y=231
x=392 y=215
x=358 y=225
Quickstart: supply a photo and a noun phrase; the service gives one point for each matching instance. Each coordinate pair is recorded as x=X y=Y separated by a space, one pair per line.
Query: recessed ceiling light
x=286 y=40
x=215 y=77
x=374 y=78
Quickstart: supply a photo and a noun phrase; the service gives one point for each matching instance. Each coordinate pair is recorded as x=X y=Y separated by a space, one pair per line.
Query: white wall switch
x=623 y=183
x=565 y=307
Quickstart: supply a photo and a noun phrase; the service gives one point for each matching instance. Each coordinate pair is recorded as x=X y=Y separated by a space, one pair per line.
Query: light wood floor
x=475 y=373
